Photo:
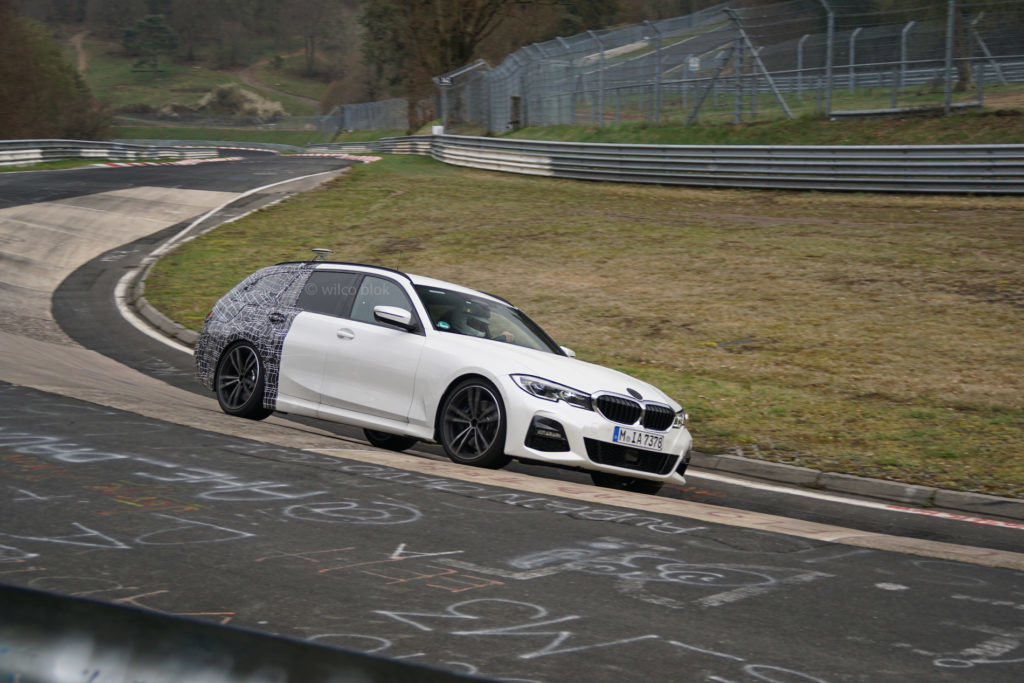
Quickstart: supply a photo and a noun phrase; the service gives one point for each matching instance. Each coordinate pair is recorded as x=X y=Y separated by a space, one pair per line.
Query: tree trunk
x=962 y=51
x=310 y=54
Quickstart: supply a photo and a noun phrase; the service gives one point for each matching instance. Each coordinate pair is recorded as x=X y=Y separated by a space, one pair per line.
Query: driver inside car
x=469 y=319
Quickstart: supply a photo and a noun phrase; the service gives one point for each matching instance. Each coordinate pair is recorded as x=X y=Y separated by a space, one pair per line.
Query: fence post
x=600 y=78
x=738 y=74
x=800 y=66
x=903 y=55
x=853 y=58
x=443 y=83
x=539 y=90
x=950 y=13
x=979 y=78
x=686 y=78
x=829 y=43
x=657 y=73
x=569 y=77
x=755 y=76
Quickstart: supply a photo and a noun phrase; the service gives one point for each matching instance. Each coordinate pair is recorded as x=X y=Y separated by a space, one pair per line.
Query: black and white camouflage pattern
x=244 y=314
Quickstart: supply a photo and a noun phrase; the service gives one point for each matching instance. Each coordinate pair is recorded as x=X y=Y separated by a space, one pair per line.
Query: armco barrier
x=17 y=152
x=945 y=169
x=50 y=638
x=223 y=144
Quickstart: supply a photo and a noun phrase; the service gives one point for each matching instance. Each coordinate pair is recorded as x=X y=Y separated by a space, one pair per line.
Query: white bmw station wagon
x=410 y=358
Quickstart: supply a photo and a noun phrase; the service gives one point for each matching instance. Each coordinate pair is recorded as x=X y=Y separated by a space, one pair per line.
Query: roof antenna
x=321 y=254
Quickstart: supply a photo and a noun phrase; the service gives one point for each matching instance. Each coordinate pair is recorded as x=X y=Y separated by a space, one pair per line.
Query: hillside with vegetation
x=249 y=71
x=148 y=57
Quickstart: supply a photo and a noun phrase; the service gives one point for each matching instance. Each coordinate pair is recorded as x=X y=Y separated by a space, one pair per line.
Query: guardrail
x=945 y=169
x=409 y=144
x=223 y=144
x=19 y=152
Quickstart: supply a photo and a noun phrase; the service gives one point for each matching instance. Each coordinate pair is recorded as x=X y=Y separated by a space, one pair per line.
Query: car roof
x=441 y=284
x=419 y=280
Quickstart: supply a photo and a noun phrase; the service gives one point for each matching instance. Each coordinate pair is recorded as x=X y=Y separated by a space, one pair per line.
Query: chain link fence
x=739 y=61
x=731 y=62
x=390 y=114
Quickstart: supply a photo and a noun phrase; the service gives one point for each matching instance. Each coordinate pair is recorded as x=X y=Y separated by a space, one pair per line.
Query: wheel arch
x=271 y=369
x=451 y=386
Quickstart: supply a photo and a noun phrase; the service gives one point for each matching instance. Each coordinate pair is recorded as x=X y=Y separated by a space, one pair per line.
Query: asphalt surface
x=503 y=575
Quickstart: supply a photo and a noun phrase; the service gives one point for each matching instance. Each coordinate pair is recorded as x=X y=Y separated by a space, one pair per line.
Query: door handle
x=276 y=318
x=346 y=334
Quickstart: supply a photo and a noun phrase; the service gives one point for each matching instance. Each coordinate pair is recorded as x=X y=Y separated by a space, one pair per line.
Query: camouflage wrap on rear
x=268 y=293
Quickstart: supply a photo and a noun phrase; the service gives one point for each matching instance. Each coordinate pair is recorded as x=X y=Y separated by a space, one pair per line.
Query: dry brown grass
x=870 y=334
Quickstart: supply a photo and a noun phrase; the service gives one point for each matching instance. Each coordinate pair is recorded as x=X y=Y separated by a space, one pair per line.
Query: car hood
x=509 y=359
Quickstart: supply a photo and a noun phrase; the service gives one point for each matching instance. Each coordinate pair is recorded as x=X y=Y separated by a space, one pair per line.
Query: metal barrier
x=947 y=169
x=408 y=144
x=50 y=638
x=222 y=144
x=17 y=152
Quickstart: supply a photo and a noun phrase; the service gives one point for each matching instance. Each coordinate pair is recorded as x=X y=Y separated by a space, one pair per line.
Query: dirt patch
x=250 y=76
x=1011 y=100
x=82 y=55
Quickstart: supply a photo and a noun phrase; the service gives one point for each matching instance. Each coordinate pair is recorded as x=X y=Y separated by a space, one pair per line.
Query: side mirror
x=392 y=315
x=569 y=352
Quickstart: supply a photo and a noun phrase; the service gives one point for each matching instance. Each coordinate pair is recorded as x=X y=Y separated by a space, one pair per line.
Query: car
x=410 y=358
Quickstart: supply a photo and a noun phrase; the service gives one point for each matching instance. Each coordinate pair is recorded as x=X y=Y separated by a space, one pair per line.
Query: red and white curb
x=192 y=162
x=339 y=155
x=183 y=162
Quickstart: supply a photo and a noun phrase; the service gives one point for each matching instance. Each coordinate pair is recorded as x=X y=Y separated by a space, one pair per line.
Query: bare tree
x=316 y=21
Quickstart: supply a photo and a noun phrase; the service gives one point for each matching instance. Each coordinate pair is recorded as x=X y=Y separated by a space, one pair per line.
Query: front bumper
x=586 y=440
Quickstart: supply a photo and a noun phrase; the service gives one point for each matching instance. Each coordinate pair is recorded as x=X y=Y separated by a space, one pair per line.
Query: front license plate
x=634 y=437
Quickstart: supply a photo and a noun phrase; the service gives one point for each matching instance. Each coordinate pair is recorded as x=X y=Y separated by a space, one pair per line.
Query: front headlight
x=681 y=417
x=552 y=391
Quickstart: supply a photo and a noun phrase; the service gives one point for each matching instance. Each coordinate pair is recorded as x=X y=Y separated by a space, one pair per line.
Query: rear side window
x=329 y=292
x=263 y=288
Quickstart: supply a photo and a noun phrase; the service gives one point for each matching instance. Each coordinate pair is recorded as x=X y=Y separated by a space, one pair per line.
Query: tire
x=392 y=442
x=472 y=425
x=634 y=484
x=240 y=382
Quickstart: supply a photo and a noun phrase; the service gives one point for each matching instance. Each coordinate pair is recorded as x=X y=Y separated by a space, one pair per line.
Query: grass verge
x=56 y=165
x=876 y=335
x=977 y=128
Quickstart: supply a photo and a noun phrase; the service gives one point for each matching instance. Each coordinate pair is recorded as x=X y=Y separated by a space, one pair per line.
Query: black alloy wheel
x=634 y=484
x=472 y=425
x=240 y=382
x=391 y=442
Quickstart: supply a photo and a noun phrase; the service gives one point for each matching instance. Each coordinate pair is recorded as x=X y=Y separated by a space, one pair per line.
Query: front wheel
x=472 y=426
x=392 y=442
x=240 y=382
x=634 y=484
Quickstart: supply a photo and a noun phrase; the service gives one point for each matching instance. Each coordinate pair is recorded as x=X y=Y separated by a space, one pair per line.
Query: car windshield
x=474 y=316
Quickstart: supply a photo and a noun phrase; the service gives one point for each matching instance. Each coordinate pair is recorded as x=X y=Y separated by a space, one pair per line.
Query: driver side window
x=377 y=291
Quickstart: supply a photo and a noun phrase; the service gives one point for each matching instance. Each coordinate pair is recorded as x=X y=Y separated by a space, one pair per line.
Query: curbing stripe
x=879 y=489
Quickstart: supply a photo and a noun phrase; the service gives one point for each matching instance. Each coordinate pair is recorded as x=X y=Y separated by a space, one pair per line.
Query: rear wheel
x=634 y=484
x=472 y=426
x=240 y=382
x=392 y=442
